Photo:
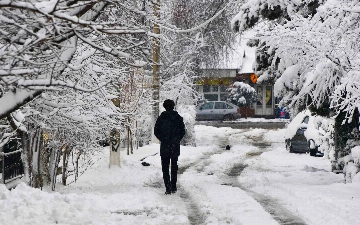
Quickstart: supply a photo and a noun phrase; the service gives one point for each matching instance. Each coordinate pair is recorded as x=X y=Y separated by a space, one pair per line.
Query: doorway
x=265 y=103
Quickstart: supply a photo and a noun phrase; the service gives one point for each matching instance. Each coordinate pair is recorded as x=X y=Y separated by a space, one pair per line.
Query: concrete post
x=114 y=147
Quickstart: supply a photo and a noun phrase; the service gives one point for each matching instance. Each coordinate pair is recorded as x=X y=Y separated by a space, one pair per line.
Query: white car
x=217 y=110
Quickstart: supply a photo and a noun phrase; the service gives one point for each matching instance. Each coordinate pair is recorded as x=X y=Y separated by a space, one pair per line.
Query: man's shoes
x=167 y=192
x=174 y=190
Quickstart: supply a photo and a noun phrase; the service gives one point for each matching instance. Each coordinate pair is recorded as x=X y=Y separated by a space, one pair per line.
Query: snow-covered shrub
x=188 y=113
x=355 y=153
x=351 y=164
x=325 y=127
x=344 y=156
x=242 y=94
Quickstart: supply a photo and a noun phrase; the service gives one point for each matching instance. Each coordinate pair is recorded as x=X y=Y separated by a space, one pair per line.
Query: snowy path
x=256 y=182
x=229 y=178
x=303 y=185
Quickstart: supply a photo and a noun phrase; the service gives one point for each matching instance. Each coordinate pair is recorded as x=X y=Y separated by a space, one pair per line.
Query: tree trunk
x=26 y=156
x=344 y=133
x=131 y=142
x=64 y=165
x=53 y=164
x=156 y=66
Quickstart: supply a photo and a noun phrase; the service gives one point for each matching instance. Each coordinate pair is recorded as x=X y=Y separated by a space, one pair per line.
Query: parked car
x=217 y=110
x=306 y=134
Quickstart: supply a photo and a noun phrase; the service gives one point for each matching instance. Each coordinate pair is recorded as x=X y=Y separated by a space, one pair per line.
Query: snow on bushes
x=188 y=113
x=352 y=165
x=242 y=94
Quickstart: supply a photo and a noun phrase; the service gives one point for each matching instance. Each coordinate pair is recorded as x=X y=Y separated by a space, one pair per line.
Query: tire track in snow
x=282 y=215
x=195 y=216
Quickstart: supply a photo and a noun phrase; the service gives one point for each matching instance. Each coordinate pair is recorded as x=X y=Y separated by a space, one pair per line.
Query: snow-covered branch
x=57 y=83
x=354 y=10
x=15 y=99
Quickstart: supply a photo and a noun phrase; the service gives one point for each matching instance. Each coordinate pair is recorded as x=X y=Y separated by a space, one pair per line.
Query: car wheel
x=291 y=150
x=289 y=147
x=226 y=118
x=312 y=147
x=232 y=117
x=313 y=152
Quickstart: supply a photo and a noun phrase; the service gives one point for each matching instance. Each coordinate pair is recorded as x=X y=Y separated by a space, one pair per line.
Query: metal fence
x=11 y=164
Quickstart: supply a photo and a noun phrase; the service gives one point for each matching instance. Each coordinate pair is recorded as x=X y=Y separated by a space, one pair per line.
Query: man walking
x=169 y=129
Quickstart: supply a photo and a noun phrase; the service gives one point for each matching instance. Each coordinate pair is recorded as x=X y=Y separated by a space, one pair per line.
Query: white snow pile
x=352 y=165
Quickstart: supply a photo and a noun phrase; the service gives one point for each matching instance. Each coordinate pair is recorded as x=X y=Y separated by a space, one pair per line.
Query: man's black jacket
x=169 y=129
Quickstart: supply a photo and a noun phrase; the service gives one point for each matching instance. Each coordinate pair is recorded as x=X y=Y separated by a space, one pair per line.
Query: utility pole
x=156 y=68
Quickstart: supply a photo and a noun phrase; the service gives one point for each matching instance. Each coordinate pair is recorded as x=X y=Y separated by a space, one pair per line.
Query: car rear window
x=306 y=120
x=229 y=106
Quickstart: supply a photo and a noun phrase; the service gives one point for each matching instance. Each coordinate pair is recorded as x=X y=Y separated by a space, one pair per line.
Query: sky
x=255 y=182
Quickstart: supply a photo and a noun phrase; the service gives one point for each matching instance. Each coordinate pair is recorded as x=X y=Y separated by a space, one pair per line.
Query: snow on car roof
x=295 y=123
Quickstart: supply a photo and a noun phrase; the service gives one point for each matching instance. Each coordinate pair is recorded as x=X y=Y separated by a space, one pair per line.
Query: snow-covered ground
x=256 y=182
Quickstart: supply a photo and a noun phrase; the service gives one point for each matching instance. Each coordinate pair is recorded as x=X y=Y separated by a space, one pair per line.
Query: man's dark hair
x=169 y=104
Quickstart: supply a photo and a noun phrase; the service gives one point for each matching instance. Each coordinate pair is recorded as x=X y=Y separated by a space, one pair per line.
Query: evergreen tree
x=242 y=95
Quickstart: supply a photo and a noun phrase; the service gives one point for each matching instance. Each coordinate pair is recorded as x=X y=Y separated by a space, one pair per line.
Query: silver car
x=217 y=110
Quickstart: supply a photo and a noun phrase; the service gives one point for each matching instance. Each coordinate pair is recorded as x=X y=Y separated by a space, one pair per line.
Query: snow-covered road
x=256 y=182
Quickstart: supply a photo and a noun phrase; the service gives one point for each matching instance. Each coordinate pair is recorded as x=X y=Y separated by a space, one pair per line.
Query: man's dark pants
x=170 y=185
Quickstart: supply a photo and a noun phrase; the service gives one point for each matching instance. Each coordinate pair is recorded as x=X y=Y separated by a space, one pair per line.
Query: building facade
x=238 y=66
x=214 y=84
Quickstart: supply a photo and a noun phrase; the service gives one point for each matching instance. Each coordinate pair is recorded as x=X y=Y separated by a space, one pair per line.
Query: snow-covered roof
x=249 y=53
x=240 y=57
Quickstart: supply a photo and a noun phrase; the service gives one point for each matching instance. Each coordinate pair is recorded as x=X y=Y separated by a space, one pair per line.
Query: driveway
x=248 y=123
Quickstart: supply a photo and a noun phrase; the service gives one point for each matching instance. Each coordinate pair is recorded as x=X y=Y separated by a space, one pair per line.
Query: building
x=238 y=66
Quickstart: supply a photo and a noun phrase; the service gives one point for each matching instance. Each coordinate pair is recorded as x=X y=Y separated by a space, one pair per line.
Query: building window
x=223 y=88
x=223 y=97
x=206 y=88
x=211 y=97
x=215 y=92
